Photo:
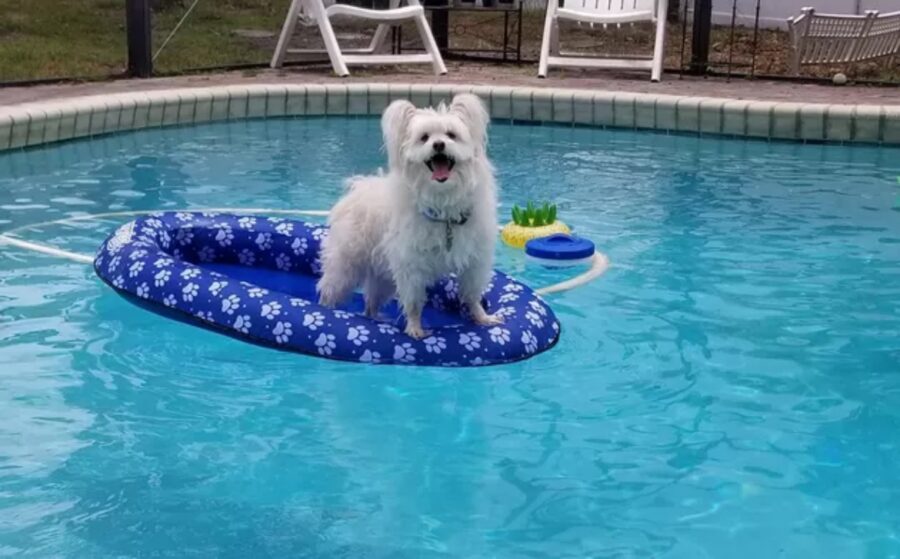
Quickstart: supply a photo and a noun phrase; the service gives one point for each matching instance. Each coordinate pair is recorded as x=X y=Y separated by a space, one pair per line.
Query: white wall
x=774 y=13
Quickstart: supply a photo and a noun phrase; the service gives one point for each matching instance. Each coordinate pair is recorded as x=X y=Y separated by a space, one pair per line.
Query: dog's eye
x=451 y=135
x=424 y=138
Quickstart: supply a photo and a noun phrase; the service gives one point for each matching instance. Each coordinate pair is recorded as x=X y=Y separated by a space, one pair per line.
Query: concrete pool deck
x=703 y=106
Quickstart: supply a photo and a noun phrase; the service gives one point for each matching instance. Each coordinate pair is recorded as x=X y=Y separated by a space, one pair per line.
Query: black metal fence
x=98 y=39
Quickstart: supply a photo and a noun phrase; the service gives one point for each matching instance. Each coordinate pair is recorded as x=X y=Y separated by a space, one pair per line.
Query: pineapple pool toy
x=532 y=222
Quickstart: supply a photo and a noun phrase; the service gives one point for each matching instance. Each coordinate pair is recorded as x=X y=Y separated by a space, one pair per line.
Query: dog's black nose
x=438 y=146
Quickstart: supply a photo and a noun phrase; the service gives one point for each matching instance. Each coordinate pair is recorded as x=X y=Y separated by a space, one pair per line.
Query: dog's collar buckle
x=432 y=214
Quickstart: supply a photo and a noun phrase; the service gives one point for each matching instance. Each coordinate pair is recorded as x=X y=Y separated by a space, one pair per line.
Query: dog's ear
x=394 y=123
x=473 y=113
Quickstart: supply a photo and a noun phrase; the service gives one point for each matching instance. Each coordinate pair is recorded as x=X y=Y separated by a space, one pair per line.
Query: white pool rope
x=599 y=262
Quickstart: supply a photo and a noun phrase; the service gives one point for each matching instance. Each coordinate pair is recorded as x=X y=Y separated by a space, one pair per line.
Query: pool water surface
x=729 y=388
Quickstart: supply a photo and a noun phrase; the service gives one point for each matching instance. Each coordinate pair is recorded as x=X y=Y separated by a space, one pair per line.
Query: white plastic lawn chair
x=603 y=12
x=313 y=12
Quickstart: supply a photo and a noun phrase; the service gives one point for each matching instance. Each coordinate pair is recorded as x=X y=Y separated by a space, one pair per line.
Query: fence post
x=700 y=36
x=137 y=23
x=440 y=23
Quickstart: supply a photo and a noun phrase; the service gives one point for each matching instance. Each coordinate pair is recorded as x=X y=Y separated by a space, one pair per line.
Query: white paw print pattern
x=113 y=263
x=216 y=287
x=325 y=344
x=282 y=332
x=513 y=288
x=230 y=304
x=184 y=216
x=264 y=241
x=499 y=335
x=343 y=315
x=370 y=356
x=170 y=300
x=190 y=273
x=299 y=246
x=161 y=277
x=257 y=292
x=206 y=254
x=470 y=340
x=283 y=262
x=184 y=236
x=319 y=233
x=189 y=291
x=137 y=254
x=246 y=257
x=119 y=282
x=270 y=310
x=405 y=353
x=242 y=324
x=538 y=308
x=530 y=341
x=224 y=235
x=534 y=318
x=387 y=329
x=451 y=290
x=506 y=312
x=435 y=344
x=508 y=297
x=296 y=302
x=165 y=240
x=358 y=335
x=143 y=290
x=205 y=316
x=313 y=320
x=163 y=262
x=247 y=222
x=135 y=269
x=285 y=228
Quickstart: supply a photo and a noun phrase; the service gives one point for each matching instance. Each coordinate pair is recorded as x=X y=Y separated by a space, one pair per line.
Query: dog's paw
x=489 y=319
x=416 y=332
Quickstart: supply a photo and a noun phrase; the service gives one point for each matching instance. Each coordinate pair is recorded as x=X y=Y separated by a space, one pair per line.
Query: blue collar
x=432 y=214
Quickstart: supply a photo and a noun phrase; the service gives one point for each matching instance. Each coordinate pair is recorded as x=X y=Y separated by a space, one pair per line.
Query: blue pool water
x=730 y=388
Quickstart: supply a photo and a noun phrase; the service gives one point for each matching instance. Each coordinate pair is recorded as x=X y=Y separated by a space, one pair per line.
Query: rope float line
x=599 y=263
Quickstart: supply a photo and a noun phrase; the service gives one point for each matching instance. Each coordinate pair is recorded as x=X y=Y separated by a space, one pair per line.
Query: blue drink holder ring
x=560 y=250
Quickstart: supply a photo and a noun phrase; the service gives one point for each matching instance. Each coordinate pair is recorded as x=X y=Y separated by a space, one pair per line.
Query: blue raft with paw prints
x=254 y=278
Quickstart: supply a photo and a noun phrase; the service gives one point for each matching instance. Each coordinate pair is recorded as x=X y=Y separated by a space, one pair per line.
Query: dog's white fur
x=380 y=238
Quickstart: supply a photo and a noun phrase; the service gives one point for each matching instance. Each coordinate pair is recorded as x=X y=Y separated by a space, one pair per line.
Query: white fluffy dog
x=433 y=213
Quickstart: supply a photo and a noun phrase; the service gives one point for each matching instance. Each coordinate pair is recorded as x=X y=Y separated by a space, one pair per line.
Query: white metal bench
x=842 y=39
x=310 y=13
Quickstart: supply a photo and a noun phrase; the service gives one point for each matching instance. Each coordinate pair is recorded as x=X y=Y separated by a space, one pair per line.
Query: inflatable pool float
x=532 y=222
x=254 y=278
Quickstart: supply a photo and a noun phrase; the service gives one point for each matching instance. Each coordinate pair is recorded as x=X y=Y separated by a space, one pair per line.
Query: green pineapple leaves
x=534 y=216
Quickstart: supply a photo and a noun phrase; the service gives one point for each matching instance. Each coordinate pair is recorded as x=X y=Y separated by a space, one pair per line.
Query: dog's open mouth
x=440 y=166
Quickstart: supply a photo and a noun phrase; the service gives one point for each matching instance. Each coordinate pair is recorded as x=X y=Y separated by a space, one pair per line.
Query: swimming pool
x=729 y=388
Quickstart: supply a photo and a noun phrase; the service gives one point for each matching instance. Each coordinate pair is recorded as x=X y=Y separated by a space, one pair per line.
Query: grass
x=86 y=38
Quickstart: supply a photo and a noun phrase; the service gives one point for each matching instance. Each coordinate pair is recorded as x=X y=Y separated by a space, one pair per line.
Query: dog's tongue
x=440 y=170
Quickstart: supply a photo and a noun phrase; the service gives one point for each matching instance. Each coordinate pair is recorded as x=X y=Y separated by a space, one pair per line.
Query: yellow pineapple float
x=532 y=222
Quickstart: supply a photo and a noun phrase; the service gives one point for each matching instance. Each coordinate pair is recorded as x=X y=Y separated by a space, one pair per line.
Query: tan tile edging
x=39 y=123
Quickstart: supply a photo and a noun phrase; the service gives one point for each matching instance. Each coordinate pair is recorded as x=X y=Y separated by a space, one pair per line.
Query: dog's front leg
x=473 y=282
x=411 y=292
